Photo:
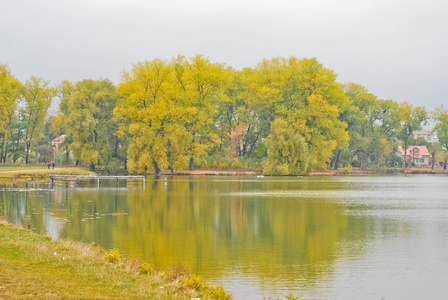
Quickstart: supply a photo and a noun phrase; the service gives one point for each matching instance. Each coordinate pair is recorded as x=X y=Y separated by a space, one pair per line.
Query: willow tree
x=306 y=95
x=201 y=84
x=262 y=94
x=440 y=116
x=89 y=118
x=148 y=114
x=9 y=95
x=37 y=95
x=287 y=151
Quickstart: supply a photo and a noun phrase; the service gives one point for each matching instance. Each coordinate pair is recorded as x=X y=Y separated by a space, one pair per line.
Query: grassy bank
x=25 y=172
x=34 y=266
x=33 y=172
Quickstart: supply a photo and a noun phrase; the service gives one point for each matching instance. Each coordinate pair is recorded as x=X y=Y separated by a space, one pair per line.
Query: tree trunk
x=243 y=152
x=3 y=154
x=253 y=145
x=433 y=160
x=27 y=153
x=336 y=163
x=156 y=167
x=36 y=161
x=444 y=165
x=191 y=164
x=92 y=167
x=66 y=155
x=117 y=142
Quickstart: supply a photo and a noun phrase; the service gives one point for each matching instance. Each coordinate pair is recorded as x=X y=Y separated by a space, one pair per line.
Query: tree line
x=287 y=115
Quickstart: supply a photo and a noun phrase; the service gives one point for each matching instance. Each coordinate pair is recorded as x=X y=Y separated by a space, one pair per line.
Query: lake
x=261 y=238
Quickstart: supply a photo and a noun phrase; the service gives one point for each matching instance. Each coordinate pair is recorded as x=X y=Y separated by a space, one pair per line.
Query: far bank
x=14 y=173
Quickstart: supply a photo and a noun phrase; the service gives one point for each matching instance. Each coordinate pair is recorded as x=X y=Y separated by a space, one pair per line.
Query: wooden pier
x=98 y=178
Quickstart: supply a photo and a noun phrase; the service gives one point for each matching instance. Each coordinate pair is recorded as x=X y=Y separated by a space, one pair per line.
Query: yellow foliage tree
x=201 y=84
x=9 y=95
x=148 y=111
x=306 y=95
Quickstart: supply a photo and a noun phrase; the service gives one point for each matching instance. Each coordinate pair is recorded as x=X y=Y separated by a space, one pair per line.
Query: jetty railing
x=51 y=178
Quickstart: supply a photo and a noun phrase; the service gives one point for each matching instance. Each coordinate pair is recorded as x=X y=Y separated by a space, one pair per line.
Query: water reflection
x=259 y=237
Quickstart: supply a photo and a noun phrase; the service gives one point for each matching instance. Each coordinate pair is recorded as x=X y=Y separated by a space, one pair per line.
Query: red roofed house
x=418 y=154
x=58 y=140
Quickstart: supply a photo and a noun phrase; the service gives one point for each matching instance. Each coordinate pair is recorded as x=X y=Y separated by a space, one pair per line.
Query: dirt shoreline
x=42 y=174
x=328 y=172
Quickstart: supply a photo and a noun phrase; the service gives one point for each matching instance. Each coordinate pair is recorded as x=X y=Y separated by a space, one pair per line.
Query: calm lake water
x=323 y=237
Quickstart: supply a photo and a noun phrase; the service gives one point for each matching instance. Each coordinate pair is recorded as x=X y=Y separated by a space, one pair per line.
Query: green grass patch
x=39 y=171
x=35 y=266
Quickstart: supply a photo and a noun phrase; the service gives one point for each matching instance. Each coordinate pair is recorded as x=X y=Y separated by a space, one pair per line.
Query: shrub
x=194 y=282
x=146 y=268
x=348 y=169
x=290 y=296
x=356 y=163
x=219 y=293
x=112 y=256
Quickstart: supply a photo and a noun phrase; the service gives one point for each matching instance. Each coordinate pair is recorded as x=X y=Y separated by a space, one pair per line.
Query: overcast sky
x=397 y=49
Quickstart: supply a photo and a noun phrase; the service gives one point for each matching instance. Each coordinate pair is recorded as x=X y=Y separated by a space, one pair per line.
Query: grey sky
x=397 y=49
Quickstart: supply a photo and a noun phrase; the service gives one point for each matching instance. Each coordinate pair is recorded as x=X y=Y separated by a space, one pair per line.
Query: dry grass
x=26 y=172
x=34 y=266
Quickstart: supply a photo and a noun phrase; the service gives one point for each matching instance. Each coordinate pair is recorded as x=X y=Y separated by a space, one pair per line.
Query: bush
x=356 y=163
x=146 y=268
x=194 y=282
x=112 y=256
x=347 y=169
x=219 y=293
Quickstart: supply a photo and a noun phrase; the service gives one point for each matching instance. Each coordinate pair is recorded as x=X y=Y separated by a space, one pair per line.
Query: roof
x=60 y=138
x=421 y=151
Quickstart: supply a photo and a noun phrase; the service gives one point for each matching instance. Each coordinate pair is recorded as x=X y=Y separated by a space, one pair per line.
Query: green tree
x=287 y=151
x=15 y=145
x=46 y=153
x=371 y=124
x=59 y=122
x=9 y=95
x=37 y=96
x=440 y=116
x=445 y=158
x=412 y=119
x=89 y=119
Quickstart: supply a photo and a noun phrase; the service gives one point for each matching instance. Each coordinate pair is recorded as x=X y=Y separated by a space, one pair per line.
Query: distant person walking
x=53 y=164
x=49 y=165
